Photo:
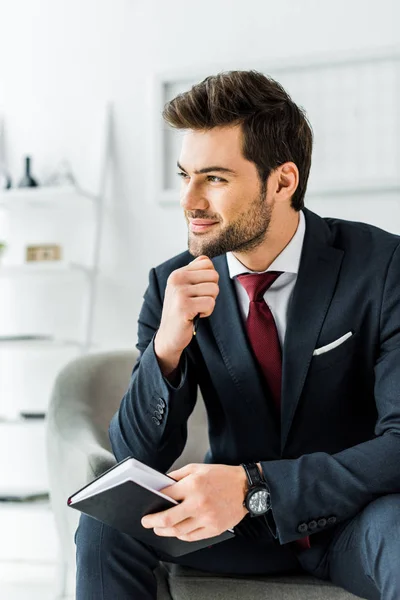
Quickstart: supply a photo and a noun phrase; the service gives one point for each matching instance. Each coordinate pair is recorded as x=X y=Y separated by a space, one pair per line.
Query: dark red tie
x=263 y=336
x=262 y=331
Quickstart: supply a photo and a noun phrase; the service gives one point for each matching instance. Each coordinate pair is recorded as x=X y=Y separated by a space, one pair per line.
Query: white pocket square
x=332 y=345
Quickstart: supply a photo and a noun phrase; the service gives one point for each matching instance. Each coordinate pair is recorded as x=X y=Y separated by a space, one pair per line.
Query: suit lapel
x=318 y=271
x=229 y=332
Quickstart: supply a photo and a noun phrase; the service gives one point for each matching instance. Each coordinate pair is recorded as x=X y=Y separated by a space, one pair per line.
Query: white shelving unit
x=35 y=344
x=15 y=200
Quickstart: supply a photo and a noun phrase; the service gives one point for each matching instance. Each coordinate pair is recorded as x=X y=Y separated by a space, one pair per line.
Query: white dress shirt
x=278 y=296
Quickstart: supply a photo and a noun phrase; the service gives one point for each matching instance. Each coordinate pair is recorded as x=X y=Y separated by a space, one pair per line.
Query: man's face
x=225 y=210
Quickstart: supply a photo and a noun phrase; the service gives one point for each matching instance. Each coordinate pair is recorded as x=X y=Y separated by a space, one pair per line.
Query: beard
x=243 y=234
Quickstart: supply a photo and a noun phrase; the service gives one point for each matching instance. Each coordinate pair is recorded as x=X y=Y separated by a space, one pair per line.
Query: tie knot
x=256 y=284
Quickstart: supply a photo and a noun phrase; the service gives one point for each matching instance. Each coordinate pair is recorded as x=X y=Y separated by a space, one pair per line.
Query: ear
x=287 y=180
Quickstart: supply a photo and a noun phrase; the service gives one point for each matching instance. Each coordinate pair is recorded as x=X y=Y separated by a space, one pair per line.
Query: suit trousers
x=362 y=556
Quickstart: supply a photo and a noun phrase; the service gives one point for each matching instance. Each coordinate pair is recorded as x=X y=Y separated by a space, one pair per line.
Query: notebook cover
x=123 y=507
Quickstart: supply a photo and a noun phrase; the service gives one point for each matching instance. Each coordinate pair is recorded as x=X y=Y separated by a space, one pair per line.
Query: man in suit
x=297 y=355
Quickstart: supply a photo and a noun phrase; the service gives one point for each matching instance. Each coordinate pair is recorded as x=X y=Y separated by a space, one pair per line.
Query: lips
x=198 y=225
x=202 y=222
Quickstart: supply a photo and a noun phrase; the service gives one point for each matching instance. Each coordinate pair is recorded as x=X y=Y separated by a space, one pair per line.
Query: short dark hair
x=275 y=129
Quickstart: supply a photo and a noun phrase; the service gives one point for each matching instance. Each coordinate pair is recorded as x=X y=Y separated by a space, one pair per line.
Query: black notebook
x=121 y=496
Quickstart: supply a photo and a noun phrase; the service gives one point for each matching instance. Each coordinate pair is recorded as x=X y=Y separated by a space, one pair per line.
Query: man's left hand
x=211 y=502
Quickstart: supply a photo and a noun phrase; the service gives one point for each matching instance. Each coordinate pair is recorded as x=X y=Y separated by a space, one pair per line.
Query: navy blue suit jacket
x=336 y=446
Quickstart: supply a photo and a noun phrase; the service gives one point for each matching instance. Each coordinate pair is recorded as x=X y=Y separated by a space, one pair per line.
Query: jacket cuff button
x=302 y=528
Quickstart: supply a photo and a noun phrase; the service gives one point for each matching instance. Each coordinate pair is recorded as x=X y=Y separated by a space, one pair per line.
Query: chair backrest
x=87 y=392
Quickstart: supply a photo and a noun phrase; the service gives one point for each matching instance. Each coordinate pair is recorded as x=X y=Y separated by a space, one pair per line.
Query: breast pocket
x=337 y=354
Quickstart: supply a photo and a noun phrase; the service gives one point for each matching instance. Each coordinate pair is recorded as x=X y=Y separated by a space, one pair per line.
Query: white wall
x=62 y=60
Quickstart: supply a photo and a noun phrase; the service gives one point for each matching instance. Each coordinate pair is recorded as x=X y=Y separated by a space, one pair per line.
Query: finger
x=182 y=472
x=167 y=518
x=202 y=305
x=201 y=276
x=198 y=534
x=183 y=528
x=204 y=289
x=176 y=491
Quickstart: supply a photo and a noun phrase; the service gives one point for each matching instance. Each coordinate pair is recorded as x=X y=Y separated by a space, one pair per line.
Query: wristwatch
x=258 y=499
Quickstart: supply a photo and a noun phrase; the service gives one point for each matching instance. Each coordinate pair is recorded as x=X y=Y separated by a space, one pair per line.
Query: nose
x=191 y=198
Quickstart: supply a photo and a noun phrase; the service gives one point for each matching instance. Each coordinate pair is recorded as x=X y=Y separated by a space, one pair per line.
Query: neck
x=281 y=230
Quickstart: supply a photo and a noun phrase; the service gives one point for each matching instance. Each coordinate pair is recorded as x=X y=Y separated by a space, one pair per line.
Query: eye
x=212 y=178
x=215 y=178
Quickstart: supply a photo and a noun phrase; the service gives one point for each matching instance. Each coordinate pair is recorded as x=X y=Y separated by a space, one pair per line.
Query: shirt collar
x=287 y=261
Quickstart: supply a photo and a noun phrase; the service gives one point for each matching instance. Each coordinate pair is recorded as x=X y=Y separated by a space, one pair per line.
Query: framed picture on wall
x=349 y=100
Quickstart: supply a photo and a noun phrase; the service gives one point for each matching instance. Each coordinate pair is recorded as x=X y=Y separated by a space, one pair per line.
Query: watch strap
x=254 y=476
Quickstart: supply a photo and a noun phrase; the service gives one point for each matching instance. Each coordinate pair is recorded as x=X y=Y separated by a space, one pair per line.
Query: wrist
x=244 y=485
x=168 y=359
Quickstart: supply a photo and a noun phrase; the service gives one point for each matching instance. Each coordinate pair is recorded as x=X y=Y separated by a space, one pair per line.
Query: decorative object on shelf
x=43 y=253
x=3 y=247
x=27 y=180
x=5 y=177
x=39 y=497
x=63 y=175
x=32 y=415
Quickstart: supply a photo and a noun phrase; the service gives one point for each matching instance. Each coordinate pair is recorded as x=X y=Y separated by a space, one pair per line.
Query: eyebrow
x=208 y=170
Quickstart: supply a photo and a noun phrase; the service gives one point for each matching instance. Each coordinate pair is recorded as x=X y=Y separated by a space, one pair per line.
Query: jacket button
x=160 y=408
x=312 y=525
x=322 y=522
x=331 y=520
x=155 y=420
x=162 y=402
x=158 y=415
x=302 y=528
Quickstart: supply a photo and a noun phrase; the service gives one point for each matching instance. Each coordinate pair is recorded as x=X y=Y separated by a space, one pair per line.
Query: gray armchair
x=85 y=395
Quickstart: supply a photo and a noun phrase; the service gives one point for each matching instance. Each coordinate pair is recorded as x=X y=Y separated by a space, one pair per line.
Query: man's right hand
x=190 y=290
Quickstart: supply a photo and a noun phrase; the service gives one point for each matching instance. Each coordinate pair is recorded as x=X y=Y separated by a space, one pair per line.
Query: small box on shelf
x=43 y=252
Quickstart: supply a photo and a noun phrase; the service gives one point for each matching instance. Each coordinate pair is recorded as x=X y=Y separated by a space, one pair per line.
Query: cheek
x=226 y=204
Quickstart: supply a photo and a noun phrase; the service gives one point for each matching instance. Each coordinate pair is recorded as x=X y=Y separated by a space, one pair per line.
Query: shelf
x=19 y=420
x=41 y=197
x=45 y=268
x=43 y=342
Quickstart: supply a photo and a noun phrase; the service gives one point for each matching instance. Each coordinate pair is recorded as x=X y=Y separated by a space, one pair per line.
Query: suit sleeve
x=338 y=486
x=134 y=430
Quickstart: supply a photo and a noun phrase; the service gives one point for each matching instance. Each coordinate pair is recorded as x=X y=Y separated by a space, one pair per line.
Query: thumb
x=201 y=257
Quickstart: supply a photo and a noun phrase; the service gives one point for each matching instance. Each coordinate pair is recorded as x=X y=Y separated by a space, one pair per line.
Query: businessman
x=297 y=356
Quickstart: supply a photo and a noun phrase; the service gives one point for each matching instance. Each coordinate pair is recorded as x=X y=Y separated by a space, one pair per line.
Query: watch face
x=258 y=502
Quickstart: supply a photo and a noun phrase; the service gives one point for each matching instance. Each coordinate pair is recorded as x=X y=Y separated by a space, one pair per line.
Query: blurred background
x=88 y=192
